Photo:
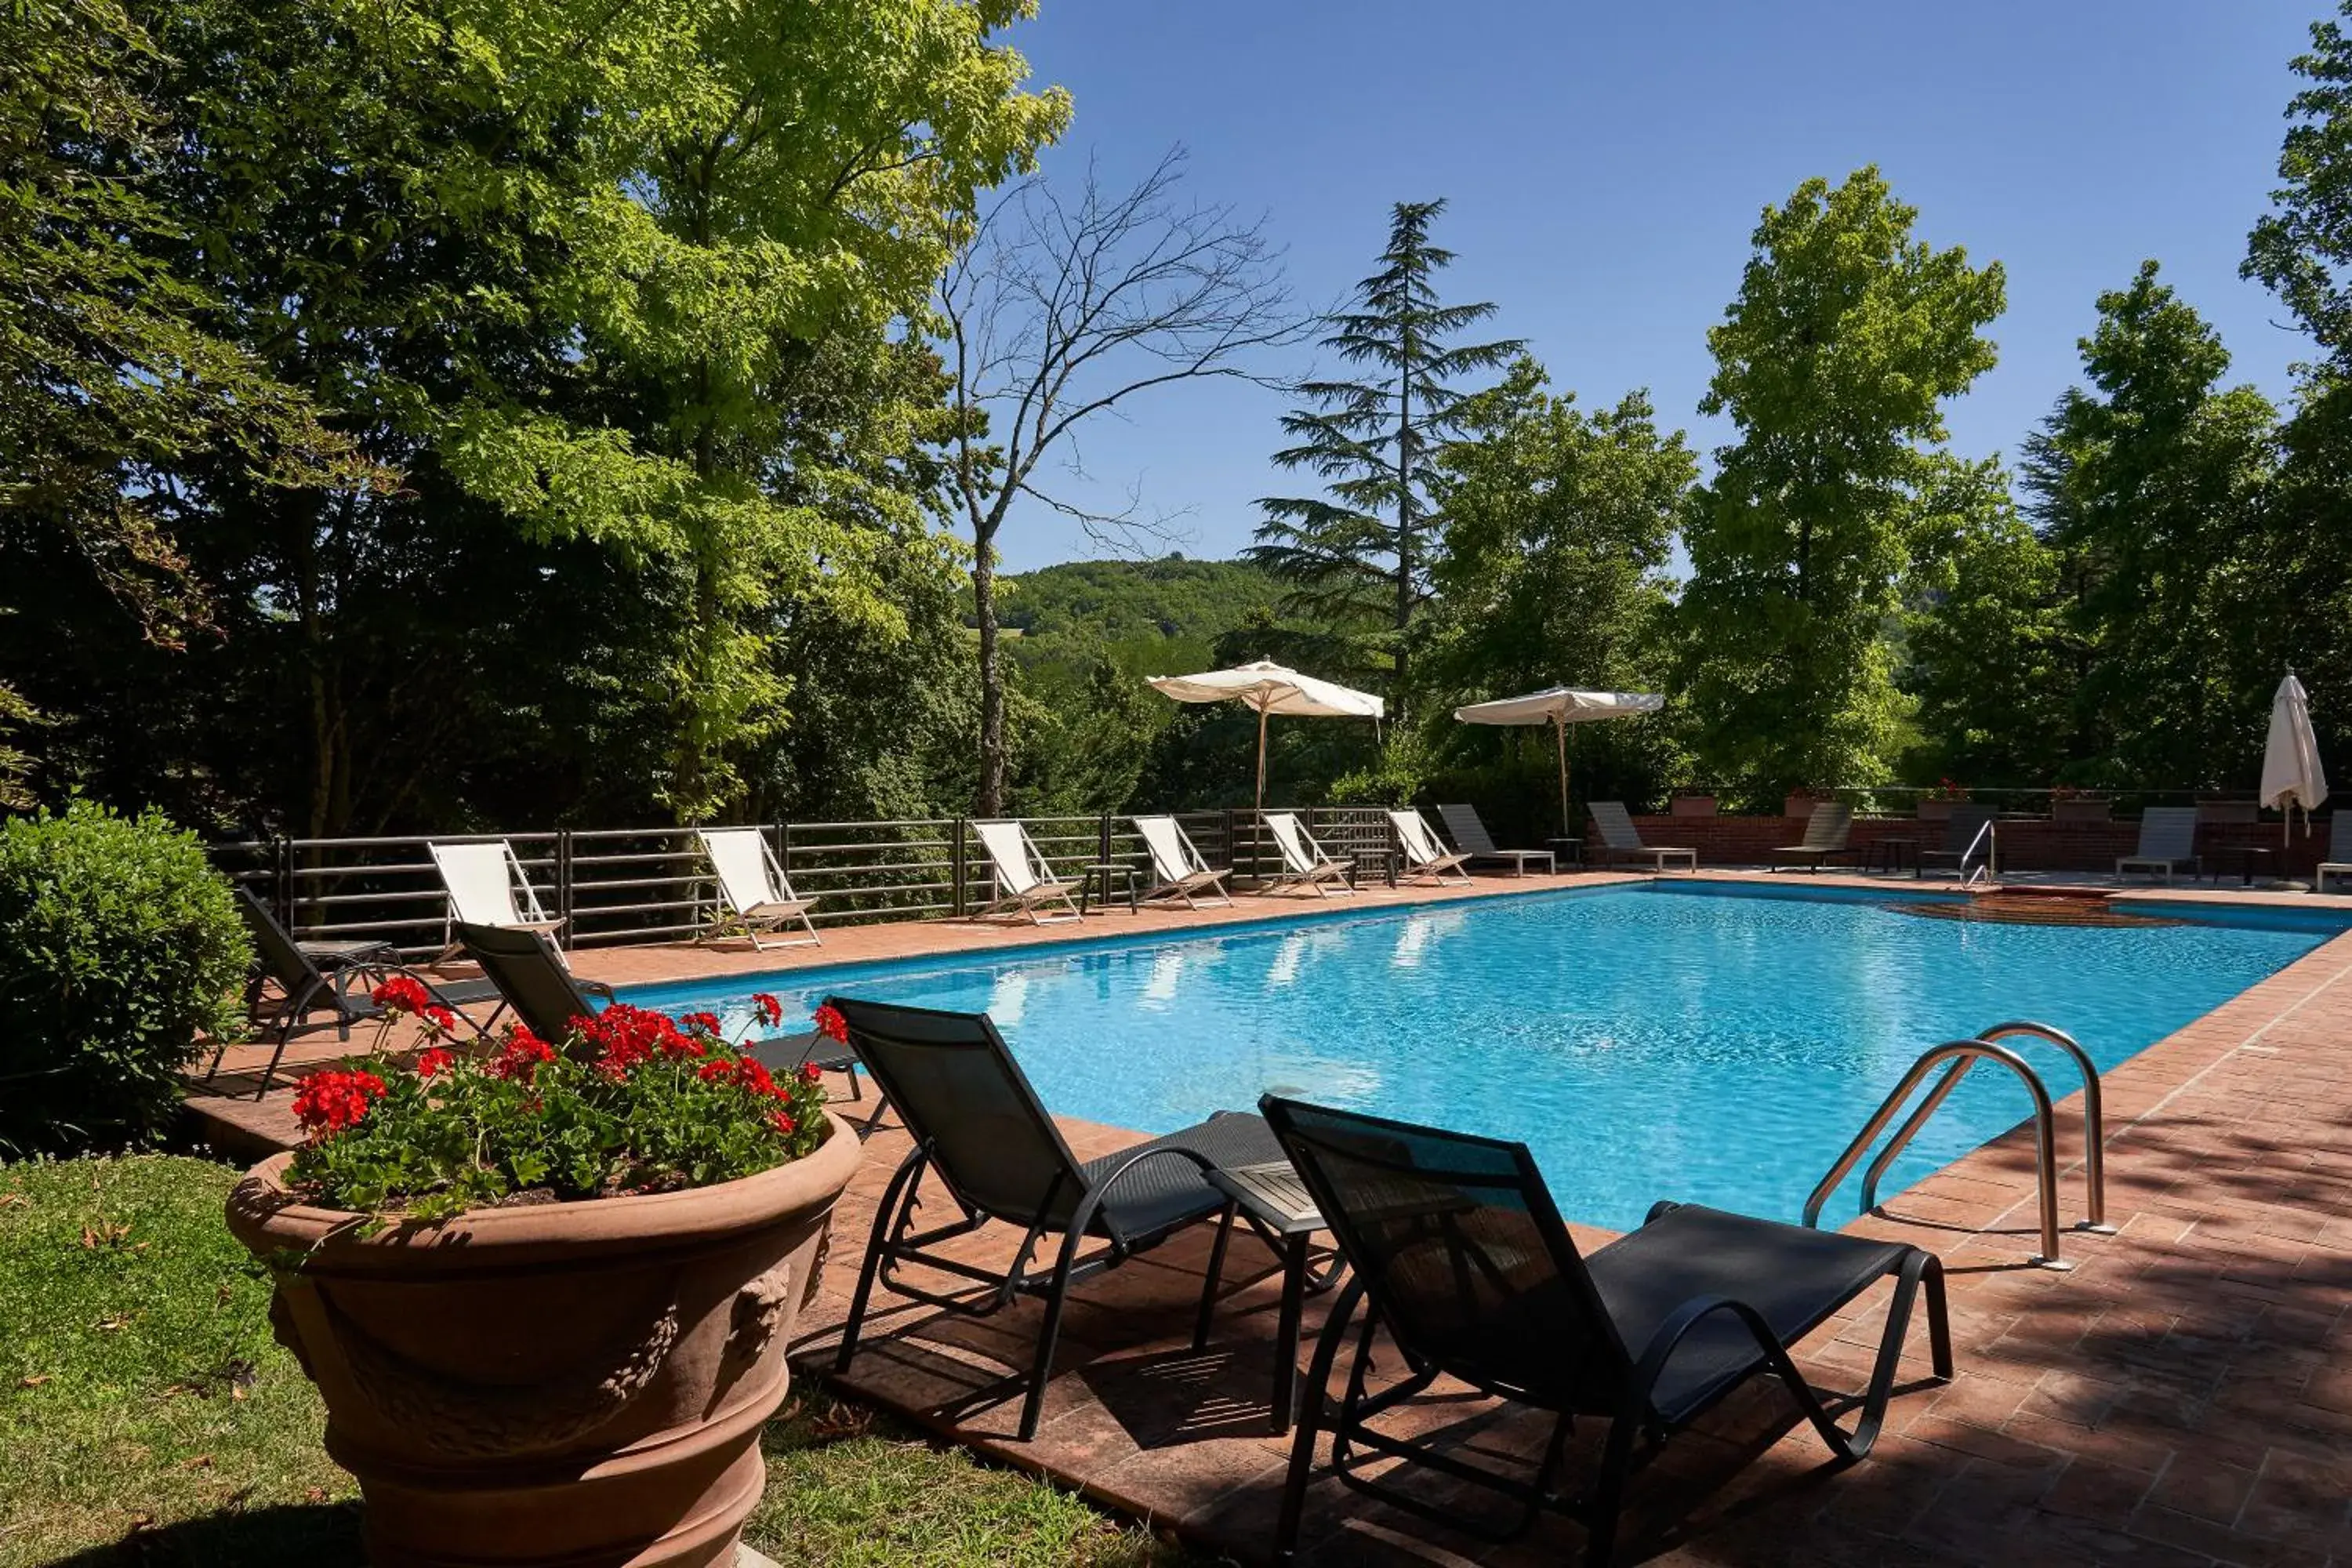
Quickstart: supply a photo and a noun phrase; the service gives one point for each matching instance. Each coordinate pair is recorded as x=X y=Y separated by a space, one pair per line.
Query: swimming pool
x=1711 y=1042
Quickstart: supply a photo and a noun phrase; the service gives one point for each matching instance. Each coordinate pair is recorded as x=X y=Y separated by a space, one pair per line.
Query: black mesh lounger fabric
x=1794 y=1277
x=1162 y=1192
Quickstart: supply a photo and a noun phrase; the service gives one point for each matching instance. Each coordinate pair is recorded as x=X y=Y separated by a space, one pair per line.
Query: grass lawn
x=147 y=1417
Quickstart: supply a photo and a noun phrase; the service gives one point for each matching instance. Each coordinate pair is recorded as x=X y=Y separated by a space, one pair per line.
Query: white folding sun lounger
x=1181 y=873
x=482 y=882
x=1023 y=881
x=1303 y=861
x=754 y=888
x=1423 y=855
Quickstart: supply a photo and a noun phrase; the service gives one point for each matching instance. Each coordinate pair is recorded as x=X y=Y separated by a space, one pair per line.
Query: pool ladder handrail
x=1989 y=836
x=1958 y=1058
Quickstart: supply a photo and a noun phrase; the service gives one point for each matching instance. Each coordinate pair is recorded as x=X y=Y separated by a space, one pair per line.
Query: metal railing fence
x=640 y=884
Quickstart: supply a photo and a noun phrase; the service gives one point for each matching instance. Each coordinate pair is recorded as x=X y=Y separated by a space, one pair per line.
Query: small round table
x=1103 y=871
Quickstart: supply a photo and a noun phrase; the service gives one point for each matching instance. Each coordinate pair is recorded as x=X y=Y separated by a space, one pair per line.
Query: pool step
x=2047 y=906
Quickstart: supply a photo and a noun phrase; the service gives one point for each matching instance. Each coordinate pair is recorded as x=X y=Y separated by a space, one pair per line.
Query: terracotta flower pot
x=568 y=1386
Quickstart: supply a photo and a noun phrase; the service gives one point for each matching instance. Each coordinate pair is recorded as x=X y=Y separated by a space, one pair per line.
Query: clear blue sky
x=1606 y=164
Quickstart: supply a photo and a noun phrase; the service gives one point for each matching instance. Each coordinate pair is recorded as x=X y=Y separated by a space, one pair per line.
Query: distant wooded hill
x=1149 y=617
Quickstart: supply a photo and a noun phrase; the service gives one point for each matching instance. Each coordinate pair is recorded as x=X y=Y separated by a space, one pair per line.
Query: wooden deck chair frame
x=1177 y=863
x=458 y=878
x=739 y=855
x=1305 y=865
x=1023 y=887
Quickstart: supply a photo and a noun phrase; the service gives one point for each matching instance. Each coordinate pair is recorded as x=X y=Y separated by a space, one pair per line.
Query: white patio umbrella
x=1561 y=706
x=2292 y=775
x=1270 y=689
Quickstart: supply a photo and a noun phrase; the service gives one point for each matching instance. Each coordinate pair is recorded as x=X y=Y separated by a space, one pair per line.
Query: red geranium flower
x=782 y=1120
x=829 y=1021
x=402 y=993
x=523 y=1054
x=771 y=1011
x=435 y=1061
x=328 y=1102
x=442 y=1020
x=755 y=1077
x=811 y=1072
x=706 y=1022
x=711 y=1072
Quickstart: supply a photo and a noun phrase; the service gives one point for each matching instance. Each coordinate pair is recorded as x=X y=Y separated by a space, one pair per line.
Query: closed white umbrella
x=1561 y=706
x=2292 y=775
x=1270 y=689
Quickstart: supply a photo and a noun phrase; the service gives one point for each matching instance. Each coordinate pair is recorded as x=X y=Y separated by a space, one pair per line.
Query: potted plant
x=1800 y=802
x=2069 y=804
x=1692 y=803
x=1936 y=805
x=546 y=1292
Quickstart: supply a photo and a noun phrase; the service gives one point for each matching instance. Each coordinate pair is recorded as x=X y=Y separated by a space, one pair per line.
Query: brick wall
x=2027 y=844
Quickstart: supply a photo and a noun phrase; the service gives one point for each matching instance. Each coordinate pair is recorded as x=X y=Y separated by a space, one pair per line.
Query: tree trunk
x=1398 y=670
x=990 y=801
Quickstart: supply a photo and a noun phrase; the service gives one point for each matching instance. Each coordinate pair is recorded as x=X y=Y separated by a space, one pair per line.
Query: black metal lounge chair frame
x=1088 y=1188
x=1634 y=1414
x=312 y=976
x=524 y=967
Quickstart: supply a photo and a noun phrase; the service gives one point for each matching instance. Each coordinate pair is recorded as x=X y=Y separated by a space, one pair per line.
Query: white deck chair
x=1304 y=864
x=1025 y=882
x=1181 y=873
x=1423 y=855
x=754 y=888
x=482 y=880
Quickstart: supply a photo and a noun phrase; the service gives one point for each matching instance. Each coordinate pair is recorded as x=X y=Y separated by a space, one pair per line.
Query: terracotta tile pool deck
x=2182 y=1396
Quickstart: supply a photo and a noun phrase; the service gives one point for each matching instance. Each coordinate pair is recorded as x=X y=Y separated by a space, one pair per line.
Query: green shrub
x=117 y=943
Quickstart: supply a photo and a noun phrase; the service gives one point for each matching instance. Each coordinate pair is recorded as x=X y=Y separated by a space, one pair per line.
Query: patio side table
x=1276 y=1203
x=1888 y=854
x=1567 y=851
x=1103 y=871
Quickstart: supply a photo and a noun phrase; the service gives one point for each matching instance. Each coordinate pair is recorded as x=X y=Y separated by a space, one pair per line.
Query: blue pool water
x=1659 y=1041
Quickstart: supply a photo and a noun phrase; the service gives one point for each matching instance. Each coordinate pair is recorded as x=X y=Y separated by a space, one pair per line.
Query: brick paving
x=2183 y=1396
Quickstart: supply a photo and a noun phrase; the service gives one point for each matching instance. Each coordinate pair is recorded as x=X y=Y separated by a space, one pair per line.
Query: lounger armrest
x=1670 y=1333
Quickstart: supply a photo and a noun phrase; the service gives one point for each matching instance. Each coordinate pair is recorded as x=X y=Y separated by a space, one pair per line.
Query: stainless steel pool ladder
x=1990 y=870
x=1956 y=1057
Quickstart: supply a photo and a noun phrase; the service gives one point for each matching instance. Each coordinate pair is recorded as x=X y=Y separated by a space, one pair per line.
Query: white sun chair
x=2167 y=842
x=1025 y=882
x=754 y=888
x=482 y=880
x=1425 y=856
x=2339 y=851
x=1304 y=864
x=1181 y=873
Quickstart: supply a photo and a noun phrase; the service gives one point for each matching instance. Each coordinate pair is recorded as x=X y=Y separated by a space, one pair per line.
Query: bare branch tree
x=1061 y=311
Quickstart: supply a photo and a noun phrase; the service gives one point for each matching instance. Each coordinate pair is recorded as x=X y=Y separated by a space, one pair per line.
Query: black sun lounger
x=1456 y=1249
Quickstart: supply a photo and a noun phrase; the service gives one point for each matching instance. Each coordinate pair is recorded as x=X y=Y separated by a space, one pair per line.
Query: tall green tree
x=2302 y=249
x=1834 y=363
x=112 y=376
x=1552 y=571
x=2155 y=479
x=1990 y=653
x=1355 y=557
x=1559 y=524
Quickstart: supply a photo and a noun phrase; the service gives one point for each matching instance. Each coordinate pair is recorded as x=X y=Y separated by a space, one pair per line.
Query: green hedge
x=118 y=945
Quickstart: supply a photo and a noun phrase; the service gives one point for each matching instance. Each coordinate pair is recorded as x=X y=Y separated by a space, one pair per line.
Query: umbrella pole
x=1260 y=768
x=1560 y=732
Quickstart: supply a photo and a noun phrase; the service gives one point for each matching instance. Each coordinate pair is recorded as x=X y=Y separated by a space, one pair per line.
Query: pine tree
x=1353 y=556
